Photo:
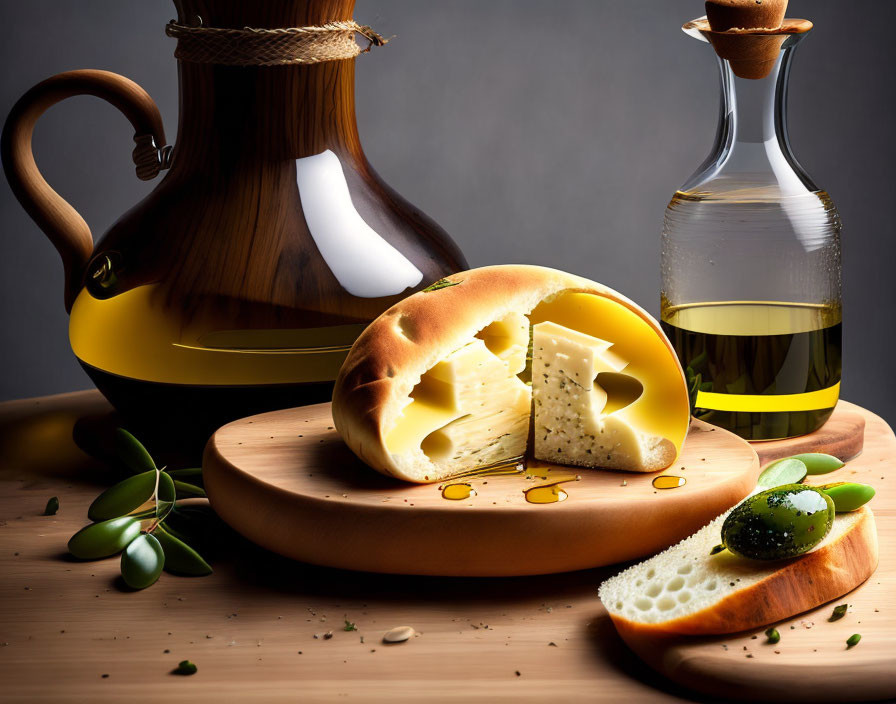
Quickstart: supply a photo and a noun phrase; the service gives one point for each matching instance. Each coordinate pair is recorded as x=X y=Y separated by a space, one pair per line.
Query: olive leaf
x=166 y=526
x=196 y=525
x=166 y=496
x=441 y=283
x=180 y=558
x=124 y=497
x=131 y=451
x=192 y=474
x=189 y=489
x=142 y=561
x=787 y=471
x=104 y=539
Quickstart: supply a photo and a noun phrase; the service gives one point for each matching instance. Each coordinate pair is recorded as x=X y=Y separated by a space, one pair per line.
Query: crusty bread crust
x=800 y=584
x=391 y=355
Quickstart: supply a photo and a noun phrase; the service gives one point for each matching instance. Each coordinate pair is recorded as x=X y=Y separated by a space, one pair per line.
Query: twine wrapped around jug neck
x=271 y=47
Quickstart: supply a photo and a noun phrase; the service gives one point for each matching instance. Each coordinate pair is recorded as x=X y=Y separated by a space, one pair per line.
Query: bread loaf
x=439 y=385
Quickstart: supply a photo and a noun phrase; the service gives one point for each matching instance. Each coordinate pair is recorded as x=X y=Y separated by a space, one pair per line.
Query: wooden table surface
x=250 y=627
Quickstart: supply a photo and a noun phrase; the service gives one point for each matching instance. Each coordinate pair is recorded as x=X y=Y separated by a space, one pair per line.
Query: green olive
x=848 y=496
x=819 y=462
x=787 y=471
x=142 y=561
x=777 y=523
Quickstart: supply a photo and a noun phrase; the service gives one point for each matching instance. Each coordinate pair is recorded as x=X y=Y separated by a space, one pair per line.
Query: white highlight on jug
x=361 y=260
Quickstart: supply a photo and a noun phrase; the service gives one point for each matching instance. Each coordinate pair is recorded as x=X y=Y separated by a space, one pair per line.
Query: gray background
x=550 y=132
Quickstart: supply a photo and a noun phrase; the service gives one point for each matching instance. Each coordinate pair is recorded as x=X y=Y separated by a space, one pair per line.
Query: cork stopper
x=749 y=33
x=725 y=15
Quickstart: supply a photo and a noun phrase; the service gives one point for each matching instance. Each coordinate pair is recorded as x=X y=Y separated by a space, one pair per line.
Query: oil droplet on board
x=668 y=481
x=457 y=492
x=545 y=493
x=548 y=493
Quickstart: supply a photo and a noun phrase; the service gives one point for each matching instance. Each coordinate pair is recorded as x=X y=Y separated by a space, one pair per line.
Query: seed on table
x=398 y=635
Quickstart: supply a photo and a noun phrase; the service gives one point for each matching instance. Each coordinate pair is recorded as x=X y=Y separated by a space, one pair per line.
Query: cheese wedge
x=583 y=404
x=438 y=385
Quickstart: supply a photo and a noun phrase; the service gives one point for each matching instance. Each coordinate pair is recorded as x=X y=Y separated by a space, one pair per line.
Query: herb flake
x=52 y=506
x=839 y=612
x=441 y=283
x=185 y=667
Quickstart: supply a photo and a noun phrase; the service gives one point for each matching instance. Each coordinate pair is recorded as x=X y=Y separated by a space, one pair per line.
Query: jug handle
x=60 y=221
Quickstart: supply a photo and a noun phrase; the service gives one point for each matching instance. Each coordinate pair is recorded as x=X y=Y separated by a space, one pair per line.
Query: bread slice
x=686 y=591
x=437 y=385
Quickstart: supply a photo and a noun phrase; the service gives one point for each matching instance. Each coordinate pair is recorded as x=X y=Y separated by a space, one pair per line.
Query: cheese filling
x=607 y=392
x=471 y=409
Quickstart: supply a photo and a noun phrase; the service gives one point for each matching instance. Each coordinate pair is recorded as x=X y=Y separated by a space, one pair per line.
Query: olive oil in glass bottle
x=751 y=256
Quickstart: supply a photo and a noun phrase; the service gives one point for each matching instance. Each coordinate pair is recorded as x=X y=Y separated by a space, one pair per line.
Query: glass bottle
x=751 y=268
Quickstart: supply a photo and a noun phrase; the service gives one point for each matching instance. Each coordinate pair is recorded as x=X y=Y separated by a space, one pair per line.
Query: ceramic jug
x=241 y=281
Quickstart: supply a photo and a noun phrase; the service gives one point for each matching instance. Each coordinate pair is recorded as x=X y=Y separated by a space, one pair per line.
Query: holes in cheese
x=619 y=390
x=470 y=410
x=508 y=339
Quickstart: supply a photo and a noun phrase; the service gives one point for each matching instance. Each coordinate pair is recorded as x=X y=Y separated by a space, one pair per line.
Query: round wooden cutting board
x=286 y=481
